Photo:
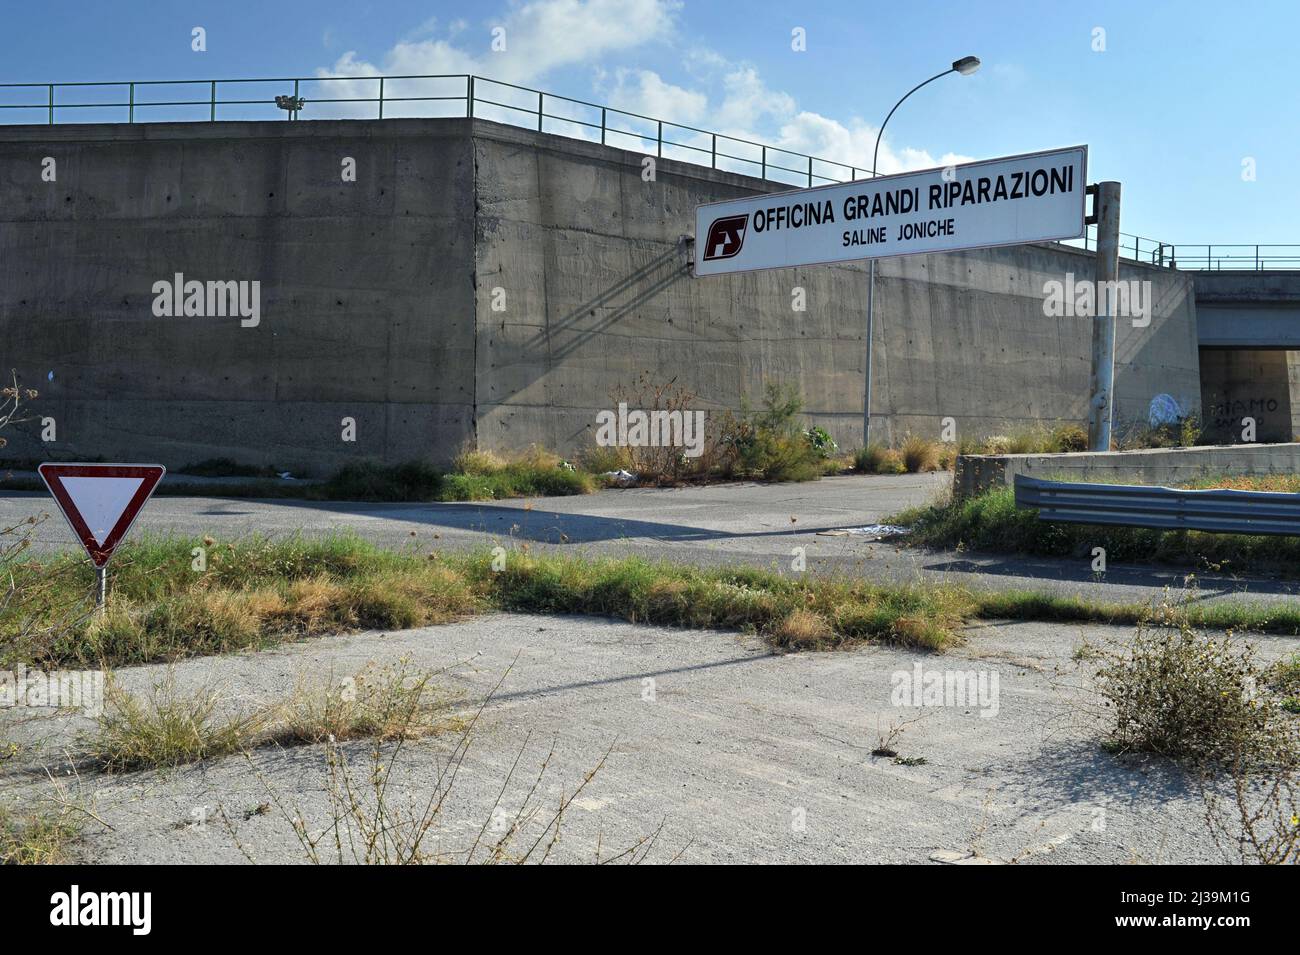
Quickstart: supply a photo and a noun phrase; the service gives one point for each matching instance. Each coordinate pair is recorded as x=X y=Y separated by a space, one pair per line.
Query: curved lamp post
x=965 y=66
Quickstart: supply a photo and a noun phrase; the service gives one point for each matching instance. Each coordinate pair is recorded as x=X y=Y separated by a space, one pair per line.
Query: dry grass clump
x=878 y=459
x=168 y=728
x=921 y=455
x=37 y=838
x=481 y=463
x=380 y=703
x=803 y=630
x=603 y=460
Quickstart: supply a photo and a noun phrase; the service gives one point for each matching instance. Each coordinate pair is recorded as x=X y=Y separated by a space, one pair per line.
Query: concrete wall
x=1161 y=466
x=482 y=282
x=586 y=253
x=367 y=289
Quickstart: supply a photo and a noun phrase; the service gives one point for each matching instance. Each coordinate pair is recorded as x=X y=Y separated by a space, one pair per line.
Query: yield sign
x=101 y=501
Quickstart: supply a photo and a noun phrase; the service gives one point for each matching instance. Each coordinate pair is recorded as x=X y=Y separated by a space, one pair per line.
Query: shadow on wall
x=559 y=340
x=1246 y=388
x=1148 y=372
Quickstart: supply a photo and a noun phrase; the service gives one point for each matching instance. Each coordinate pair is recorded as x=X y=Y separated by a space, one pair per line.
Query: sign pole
x=871 y=315
x=101 y=589
x=1101 y=404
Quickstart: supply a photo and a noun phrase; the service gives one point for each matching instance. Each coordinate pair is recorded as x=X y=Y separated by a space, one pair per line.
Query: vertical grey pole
x=1101 y=404
x=871 y=315
x=101 y=589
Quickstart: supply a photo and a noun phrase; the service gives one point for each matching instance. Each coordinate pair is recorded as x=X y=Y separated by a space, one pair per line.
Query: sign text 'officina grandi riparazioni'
x=1038 y=197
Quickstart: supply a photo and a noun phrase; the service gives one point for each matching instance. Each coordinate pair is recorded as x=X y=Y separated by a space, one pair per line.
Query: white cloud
x=745 y=107
x=747 y=101
x=645 y=92
x=816 y=135
x=542 y=36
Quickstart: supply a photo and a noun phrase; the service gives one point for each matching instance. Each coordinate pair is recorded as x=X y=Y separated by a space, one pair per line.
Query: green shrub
x=822 y=443
x=770 y=444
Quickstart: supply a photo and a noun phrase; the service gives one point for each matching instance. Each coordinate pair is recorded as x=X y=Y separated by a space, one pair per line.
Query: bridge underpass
x=1248 y=331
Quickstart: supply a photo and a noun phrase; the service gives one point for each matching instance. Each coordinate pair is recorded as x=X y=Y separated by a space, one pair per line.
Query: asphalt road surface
x=760 y=524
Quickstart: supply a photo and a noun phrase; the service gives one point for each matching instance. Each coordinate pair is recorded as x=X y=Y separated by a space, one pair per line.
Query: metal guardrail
x=1161 y=508
x=433 y=96
x=1199 y=257
x=463 y=94
x=1253 y=258
x=1135 y=247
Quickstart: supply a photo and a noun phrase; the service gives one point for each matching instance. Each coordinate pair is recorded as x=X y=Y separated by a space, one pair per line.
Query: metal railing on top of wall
x=392 y=97
x=463 y=94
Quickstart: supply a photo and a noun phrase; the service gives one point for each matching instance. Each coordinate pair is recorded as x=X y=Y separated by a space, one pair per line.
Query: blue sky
x=1181 y=96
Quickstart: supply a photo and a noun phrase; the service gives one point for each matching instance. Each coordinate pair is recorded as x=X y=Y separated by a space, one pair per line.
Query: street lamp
x=965 y=66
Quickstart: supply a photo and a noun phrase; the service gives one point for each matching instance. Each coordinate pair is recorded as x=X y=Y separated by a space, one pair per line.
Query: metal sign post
x=871 y=321
x=1101 y=401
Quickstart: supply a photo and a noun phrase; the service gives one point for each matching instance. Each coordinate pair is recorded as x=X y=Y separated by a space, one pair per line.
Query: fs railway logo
x=726 y=236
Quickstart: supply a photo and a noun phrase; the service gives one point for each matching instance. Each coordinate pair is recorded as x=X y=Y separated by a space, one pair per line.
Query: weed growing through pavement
x=1207 y=703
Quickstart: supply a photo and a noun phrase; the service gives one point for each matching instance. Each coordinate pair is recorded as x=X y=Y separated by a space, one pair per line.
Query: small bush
x=666 y=463
x=769 y=443
x=1194 y=698
x=823 y=445
x=1070 y=437
x=868 y=459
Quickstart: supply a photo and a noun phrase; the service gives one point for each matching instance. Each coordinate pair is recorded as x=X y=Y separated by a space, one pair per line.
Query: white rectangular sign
x=1037 y=197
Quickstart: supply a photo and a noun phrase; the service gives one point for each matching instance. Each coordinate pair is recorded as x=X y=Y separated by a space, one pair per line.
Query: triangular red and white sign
x=101 y=501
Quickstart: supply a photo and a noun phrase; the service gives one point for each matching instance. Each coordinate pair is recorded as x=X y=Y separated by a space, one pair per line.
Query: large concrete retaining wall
x=367 y=290
x=484 y=284
x=588 y=251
